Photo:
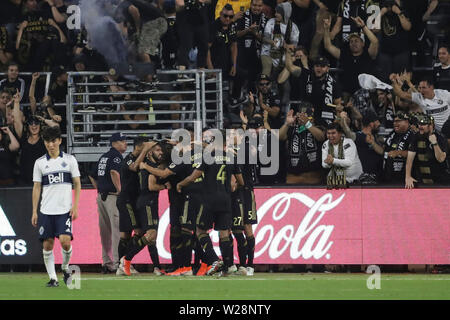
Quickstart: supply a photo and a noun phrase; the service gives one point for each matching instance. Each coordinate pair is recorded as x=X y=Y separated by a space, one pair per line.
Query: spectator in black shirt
x=192 y=27
x=345 y=24
x=322 y=91
x=265 y=100
x=32 y=145
x=430 y=147
x=396 y=148
x=13 y=82
x=304 y=140
x=38 y=38
x=369 y=146
x=296 y=61
x=8 y=146
x=394 y=48
x=222 y=53
x=441 y=69
x=385 y=109
x=355 y=58
x=6 y=49
x=249 y=38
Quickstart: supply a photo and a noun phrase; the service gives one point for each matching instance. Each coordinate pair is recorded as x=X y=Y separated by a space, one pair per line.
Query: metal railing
x=94 y=110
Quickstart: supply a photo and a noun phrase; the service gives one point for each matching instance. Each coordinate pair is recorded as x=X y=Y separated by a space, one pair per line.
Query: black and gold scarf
x=336 y=176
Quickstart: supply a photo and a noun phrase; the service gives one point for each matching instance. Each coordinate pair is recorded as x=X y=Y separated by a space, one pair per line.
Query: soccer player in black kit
x=183 y=215
x=217 y=202
x=244 y=209
x=126 y=201
x=147 y=208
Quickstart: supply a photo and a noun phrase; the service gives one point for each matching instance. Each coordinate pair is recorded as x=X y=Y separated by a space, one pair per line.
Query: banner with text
x=295 y=226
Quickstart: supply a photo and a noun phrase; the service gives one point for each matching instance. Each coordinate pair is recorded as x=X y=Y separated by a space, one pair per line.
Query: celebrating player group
x=203 y=195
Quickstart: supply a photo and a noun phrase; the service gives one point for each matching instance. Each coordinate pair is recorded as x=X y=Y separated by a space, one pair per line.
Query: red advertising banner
x=315 y=226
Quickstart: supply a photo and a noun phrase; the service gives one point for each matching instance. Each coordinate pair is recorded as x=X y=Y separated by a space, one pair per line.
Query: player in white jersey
x=54 y=173
x=434 y=102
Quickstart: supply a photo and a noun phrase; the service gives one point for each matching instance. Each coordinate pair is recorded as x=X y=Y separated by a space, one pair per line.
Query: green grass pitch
x=262 y=286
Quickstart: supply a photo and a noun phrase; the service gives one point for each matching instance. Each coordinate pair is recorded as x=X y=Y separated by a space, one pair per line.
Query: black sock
x=187 y=248
x=154 y=254
x=226 y=248
x=123 y=245
x=135 y=247
x=250 y=250
x=198 y=253
x=242 y=248
x=175 y=241
x=208 y=253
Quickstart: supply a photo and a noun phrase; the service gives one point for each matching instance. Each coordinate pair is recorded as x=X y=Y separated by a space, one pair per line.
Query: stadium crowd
x=359 y=89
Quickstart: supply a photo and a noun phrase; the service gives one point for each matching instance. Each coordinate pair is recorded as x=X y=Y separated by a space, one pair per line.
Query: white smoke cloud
x=104 y=34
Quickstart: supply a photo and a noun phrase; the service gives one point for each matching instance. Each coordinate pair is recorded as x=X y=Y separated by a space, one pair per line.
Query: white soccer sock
x=49 y=261
x=66 y=258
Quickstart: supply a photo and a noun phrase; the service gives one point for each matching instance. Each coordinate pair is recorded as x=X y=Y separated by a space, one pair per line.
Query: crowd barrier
x=296 y=226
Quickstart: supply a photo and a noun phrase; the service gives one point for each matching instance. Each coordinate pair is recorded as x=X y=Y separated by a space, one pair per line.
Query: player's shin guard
x=209 y=255
x=226 y=248
x=250 y=250
x=66 y=255
x=135 y=248
x=122 y=248
x=175 y=241
x=49 y=261
x=187 y=247
x=242 y=248
x=154 y=253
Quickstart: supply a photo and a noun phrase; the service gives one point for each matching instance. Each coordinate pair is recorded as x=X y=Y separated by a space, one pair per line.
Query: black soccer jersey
x=129 y=179
x=218 y=174
x=184 y=170
x=144 y=192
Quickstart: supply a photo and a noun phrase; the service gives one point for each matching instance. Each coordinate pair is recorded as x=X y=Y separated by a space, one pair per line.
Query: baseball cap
x=356 y=34
x=321 y=61
x=425 y=119
x=117 y=137
x=400 y=115
x=264 y=77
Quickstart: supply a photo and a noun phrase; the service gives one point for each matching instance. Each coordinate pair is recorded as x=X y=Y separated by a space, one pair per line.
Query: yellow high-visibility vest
x=238 y=5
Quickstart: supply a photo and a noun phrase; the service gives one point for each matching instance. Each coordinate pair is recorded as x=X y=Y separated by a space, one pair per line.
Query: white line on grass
x=252 y=279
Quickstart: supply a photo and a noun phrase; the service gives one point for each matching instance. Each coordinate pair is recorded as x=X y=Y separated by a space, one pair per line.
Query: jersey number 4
x=221 y=175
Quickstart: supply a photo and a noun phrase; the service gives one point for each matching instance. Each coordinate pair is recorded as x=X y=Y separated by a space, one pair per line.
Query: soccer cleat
x=202 y=270
x=250 y=271
x=133 y=270
x=67 y=277
x=242 y=271
x=159 y=272
x=176 y=272
x=215 y=267
x=126 y=267
x=120 y=271
x=187 y=271
x=232 y=270
x=52 y=283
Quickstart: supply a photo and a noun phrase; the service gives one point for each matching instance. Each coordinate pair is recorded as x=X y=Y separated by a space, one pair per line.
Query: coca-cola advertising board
x=313 y=226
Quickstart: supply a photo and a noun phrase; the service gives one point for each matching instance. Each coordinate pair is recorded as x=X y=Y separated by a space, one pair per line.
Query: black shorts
x=237 y=210
x=176 y=211
x=148 y=215
x=250 y=214
x=127 y=215
x=191 y=208
x=216 y=212
x=51 y=226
